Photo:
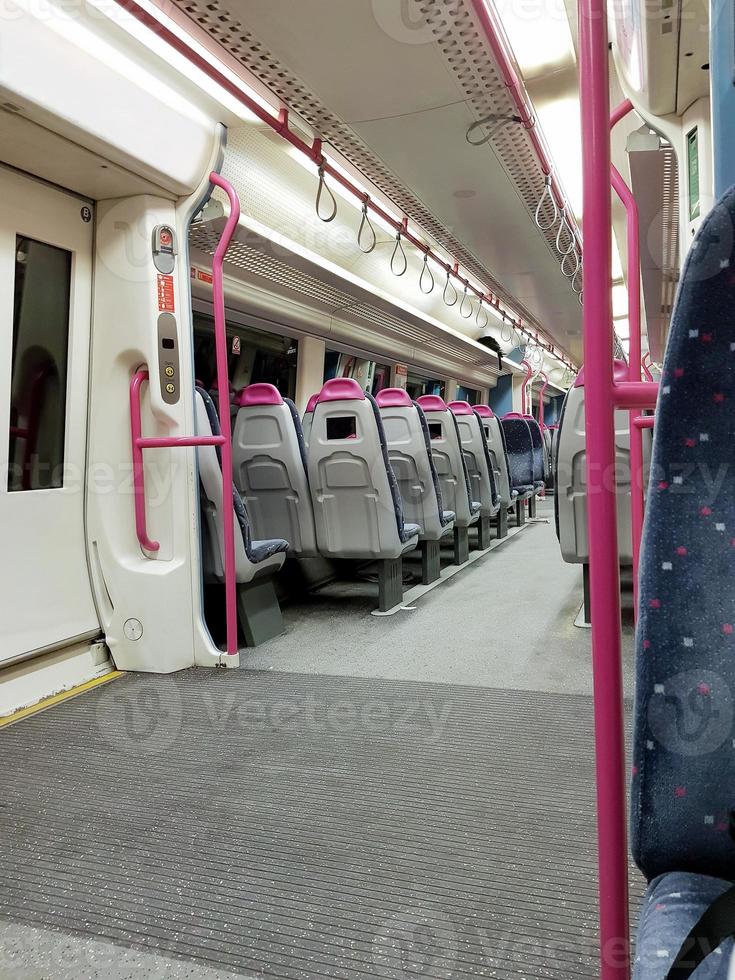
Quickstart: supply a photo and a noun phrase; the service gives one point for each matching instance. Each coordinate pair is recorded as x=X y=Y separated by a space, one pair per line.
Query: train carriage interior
x=368 y=579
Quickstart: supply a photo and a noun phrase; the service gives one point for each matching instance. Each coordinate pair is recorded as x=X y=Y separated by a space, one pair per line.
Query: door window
x=39 y=365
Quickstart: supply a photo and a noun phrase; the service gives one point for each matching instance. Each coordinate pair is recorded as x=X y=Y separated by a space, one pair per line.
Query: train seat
x=682 y=794
x=479 y=466
x=570 y=475
x=446 y=449
x=256 y=560
x=539 y=459
x=357 y=504
x=308 y=418
x=269 y=466
x=496 y=445
x=409 y=451
x=519 y=449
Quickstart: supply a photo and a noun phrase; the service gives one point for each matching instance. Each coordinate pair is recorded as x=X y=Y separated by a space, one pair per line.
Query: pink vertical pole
x=602 y=524
x=223 y=391
x=138 y=471
x=634 y=358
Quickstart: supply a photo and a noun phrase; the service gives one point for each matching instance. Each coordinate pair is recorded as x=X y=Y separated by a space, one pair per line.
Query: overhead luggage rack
x=296 y=274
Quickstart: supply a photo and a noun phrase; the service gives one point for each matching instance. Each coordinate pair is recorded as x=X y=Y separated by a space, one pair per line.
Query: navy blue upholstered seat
x=683 y=788
x=537 y=443
x=519 y=451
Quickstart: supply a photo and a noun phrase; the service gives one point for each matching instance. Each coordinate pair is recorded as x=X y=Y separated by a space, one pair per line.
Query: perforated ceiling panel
x=466 y=56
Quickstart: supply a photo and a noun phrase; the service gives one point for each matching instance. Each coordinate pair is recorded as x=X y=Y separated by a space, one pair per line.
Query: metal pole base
x=259 y=612
x=390 y=583
x=484 y=535
x=430 y=561
x=520 y=513
x=461 y=545
x=503 y=522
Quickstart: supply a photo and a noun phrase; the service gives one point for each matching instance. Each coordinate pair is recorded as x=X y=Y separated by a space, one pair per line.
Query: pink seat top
x=341 y=389
x=485 y=411
x=394 y=398
x=513 y=415
x=311 y=404
x=460 y=408
x=620 y=373
x=432 y=403
x=260 y=394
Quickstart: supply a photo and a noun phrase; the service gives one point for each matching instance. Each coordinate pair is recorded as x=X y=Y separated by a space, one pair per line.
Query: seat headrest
x=620 y=373
x=311 y=404
x=460 y=408
x=394 y=398
x=260 y=394
x=432 y=403
x=339 y=390
x=513 y=415
x=484 y=411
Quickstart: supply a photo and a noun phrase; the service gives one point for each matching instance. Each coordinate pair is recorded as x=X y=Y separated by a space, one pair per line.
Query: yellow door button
x=169 y=371
x=170 y=388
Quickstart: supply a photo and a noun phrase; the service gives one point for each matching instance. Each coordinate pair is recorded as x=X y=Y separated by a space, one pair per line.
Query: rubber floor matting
x=293 y=825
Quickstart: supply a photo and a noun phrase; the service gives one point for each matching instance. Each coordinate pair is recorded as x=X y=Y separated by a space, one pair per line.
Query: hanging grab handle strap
x=565 y=226
x=448 y=285
x=366 y=223
x=398 y=259
x=465 y=298
x=548 y=193
x=426 y=271
x=323 y=186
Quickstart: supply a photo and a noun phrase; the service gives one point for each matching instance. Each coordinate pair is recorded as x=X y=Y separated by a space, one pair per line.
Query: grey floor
x=506 y=622
x=370 y=797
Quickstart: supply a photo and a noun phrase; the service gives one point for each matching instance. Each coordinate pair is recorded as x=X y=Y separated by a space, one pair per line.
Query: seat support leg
x=503 y=522
x=430 y=561
x=259 y=611
x=532 y=507
x=586 y=590
x=520 y=512
x=483 y=533
x=390 y=583
x=461 y=545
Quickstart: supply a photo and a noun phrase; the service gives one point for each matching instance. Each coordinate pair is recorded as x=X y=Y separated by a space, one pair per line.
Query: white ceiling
x=391 y=83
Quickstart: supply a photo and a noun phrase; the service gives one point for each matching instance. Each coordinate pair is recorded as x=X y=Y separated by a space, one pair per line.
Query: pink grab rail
x=634 y=357
x=224 y=441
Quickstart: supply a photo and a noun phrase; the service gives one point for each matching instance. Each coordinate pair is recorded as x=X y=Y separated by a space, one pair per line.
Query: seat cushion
x=475 y=506
x=410 y=530
x=448 y=516
x=674 y=904
x=261 y=550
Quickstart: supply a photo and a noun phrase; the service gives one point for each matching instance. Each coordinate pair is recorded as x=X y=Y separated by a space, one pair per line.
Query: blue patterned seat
x=519 y=450
x=683 y=787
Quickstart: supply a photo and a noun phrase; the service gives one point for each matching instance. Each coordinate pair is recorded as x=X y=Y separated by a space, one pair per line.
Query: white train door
x=45 y=302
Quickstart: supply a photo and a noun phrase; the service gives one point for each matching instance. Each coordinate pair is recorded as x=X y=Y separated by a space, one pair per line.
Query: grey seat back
x=409 y=451
x=496 y=447
x=571 y=476
x=357 y=505
x=252 y=556
x=449 y=460
x=269 y=467
x=477 y=458
x=308 y=418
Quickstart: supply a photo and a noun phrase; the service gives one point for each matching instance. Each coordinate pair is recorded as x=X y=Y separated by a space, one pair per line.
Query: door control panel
x=168 y=358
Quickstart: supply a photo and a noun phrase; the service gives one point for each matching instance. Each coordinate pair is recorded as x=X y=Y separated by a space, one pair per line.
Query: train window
x=370 y=375
x=417 y=386
x=39 y=365
x=471 y=395
x=342 y=427
x=252 y=356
